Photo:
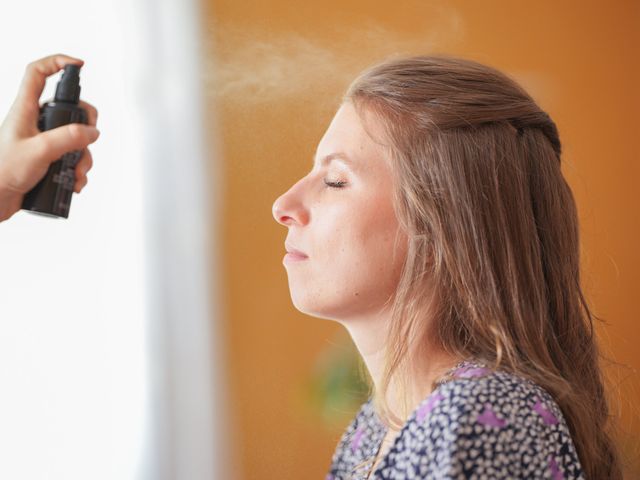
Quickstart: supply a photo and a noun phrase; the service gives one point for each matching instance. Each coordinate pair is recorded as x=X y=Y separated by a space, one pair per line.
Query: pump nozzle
x=68 y=89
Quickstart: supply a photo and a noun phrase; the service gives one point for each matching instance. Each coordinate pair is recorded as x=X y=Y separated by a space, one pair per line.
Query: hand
x=25 y=152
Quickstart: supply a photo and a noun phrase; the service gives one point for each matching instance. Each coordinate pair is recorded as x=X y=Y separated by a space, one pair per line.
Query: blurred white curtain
x=110 y=363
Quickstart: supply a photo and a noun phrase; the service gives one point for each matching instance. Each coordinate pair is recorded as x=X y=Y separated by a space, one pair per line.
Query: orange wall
x=277 y=70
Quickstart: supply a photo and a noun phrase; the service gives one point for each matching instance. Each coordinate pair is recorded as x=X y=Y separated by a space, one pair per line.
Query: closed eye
x=335 y=184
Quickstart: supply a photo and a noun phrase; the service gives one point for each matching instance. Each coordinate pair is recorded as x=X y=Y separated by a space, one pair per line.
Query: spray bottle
x=52 y=195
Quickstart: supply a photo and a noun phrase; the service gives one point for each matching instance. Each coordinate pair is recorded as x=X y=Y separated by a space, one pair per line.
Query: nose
x=288 y=209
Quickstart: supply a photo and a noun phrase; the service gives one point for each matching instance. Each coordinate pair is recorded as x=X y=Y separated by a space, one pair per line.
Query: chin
x=311 y=308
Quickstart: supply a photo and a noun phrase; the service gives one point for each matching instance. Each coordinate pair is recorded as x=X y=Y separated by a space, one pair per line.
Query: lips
x=295 y=252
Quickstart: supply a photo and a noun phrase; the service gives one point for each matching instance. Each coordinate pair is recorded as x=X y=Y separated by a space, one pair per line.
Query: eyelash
x=335 y=184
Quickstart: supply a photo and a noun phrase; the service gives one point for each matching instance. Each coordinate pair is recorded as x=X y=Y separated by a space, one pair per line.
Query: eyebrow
x=332 y=156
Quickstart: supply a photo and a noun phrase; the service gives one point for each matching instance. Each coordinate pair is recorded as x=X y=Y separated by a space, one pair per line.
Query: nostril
x=281 y=217
x=287 y=210
x=285 y=219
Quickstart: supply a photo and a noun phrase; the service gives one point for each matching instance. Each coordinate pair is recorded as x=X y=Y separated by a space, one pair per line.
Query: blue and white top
x=478 y=425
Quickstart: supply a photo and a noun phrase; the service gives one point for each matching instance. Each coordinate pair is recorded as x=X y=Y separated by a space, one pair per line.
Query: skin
x=355 y=245
x=349 y=233
x=25 y=152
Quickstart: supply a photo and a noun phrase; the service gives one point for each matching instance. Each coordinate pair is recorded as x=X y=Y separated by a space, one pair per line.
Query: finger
x=85 y=163
x=92 y=113
x=81 y=182
x=49 y=146
x=37 y=72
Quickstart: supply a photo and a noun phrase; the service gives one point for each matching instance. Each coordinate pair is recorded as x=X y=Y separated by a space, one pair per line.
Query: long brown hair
x=492 y=226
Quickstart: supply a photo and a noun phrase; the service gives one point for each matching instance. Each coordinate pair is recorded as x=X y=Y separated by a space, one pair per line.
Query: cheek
x=362 y=253
x=356 y=263
x=383 y=245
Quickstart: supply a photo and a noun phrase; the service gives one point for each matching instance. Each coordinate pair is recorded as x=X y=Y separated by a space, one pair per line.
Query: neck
x=427 y=364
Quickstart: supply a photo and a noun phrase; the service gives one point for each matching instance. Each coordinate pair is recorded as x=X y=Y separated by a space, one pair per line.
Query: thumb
x=46 y=147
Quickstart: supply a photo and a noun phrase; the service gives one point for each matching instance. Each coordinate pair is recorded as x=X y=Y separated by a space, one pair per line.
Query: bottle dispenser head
x=68 y=89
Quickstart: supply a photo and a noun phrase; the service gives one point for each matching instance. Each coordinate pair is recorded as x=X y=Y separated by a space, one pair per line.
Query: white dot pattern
x=479 y=425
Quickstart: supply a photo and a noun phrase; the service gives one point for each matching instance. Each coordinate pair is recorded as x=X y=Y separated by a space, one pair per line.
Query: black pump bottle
x=52 y=195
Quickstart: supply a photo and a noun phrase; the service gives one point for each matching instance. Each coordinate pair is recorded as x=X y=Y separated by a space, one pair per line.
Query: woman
x=436 y=226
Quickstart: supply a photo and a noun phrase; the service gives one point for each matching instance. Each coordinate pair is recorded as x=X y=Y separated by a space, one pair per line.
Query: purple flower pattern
x=548 y=417
x=489 y=418
x=480 y=421
x=427 y=407
x=356 y=439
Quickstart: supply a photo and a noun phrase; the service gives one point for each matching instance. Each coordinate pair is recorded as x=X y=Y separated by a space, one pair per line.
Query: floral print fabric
x=481 y=424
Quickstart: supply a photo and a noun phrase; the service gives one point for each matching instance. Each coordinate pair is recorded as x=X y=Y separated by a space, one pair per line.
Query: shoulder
x=357 y=443
x=490 y=422
x=481 y=396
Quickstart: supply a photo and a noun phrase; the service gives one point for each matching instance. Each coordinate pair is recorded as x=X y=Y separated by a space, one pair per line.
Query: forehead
x=348 y=140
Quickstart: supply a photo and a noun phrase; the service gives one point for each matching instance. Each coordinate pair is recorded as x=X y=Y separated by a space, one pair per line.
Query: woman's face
x=347 y=229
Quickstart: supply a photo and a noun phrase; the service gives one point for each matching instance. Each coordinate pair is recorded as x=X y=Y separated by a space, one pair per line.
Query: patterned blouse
x=477 y=425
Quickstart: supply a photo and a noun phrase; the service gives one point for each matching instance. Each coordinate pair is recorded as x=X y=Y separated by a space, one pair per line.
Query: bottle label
x=66 y=177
